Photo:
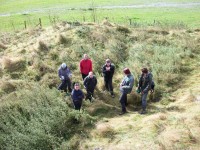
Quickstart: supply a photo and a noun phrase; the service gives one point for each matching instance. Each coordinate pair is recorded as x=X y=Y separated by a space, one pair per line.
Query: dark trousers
x=84 y=75
x=90 y=93
x=108 y=84
x=64 y=85
x=77 y=104
x=144 y=100
x=123 y=101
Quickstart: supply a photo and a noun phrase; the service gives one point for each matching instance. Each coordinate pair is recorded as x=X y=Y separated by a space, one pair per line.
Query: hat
x=108 y=61
x=144 y=70
x=63 y=65
x=127 y=71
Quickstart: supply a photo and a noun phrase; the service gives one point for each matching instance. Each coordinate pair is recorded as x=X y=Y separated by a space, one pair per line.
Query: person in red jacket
x=85 y=66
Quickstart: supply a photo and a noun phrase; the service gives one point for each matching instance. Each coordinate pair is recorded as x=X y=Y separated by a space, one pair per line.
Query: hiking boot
x=122 y=113
x=143 y=112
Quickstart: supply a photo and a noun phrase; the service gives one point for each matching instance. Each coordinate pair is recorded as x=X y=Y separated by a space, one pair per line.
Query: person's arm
x=103 y=69
x=90 y=65
x=69 y=73
x=112 y=69
x=72 y=95
x=96 y=81
x=80 y=65
x=60 y=75
x=85 y=82
x=130 y=85
x=148 y=87
x=82 y=95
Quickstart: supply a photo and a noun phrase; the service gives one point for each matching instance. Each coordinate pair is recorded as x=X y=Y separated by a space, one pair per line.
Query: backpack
x=152 y=85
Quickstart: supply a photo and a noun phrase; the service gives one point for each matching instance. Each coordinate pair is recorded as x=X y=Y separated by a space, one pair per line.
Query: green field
x=79 y=10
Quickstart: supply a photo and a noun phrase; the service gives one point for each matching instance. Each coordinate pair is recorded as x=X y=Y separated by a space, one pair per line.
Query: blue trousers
x=144 y=100
x=123 y=101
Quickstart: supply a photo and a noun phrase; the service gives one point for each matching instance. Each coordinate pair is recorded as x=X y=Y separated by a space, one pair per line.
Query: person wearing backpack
x=108 y=70
x=90 y=83
x=145 y=85
x=65 y=75
x=77 y=96
x=126 y=87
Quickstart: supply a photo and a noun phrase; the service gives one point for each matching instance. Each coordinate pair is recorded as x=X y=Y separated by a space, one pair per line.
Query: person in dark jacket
x=85 y=66
x=77 y=96
x=108 y=71
x=126 y=87
x=65 y=75
x=90 y=83
x=145 y=85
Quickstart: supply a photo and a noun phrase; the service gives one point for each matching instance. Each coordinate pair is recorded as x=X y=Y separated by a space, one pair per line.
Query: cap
x=63 y=65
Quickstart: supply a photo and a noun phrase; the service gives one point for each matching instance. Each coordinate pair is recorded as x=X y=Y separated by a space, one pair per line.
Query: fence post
x=83 y=18
x=25 y=24
x=130 y=21
x=13 y=26
x=40 y=22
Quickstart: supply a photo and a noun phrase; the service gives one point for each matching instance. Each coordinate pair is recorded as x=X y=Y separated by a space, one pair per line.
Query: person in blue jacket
x=65 y=75
x=126 y=87
x=77 y=96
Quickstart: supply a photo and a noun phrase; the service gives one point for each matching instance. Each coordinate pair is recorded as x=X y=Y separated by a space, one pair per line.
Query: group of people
x=90 y=82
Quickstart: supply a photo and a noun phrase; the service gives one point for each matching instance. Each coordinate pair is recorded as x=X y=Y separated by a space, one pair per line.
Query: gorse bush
x=38 y=118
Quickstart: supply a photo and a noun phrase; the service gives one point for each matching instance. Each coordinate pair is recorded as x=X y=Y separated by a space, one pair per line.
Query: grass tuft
x=14 y=65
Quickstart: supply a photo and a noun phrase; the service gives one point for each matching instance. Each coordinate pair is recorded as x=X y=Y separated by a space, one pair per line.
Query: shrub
x=83 y=32
x=38 y=118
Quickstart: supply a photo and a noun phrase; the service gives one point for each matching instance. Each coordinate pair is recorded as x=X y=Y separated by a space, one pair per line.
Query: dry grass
x=107 y=23
x=42 y=46
x=1 y=71
x=104 y=131
x=2 y=46
x=62 y=39
x=14 y=64
x=9 y=86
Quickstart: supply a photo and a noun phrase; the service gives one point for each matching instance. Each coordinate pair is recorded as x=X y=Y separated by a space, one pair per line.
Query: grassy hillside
x=35 y=115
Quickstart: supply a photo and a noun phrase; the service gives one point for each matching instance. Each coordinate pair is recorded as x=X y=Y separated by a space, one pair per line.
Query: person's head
x=108 y=62
x=126 y=71
x=63 y=66
x=76 y=86
x=85 y=56
x=90 y=74
x=144 y=70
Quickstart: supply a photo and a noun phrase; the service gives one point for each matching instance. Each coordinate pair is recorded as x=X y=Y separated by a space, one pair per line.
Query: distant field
x=21 y=5
x=30 y=11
